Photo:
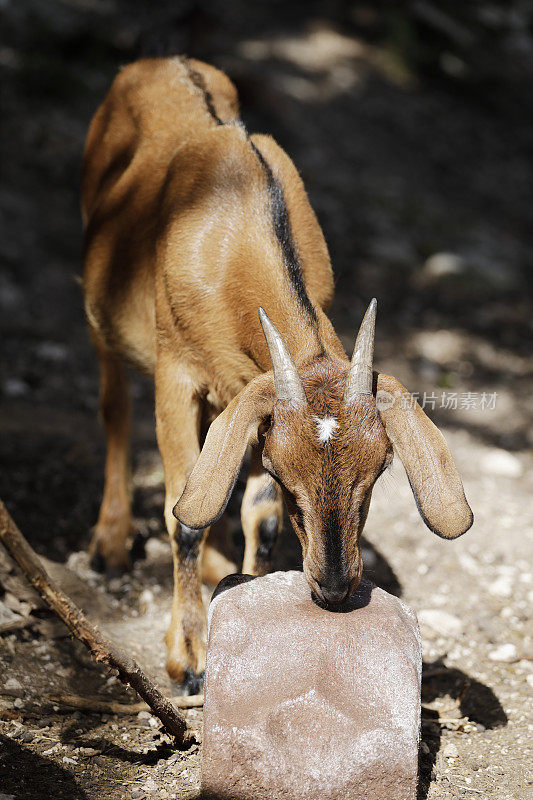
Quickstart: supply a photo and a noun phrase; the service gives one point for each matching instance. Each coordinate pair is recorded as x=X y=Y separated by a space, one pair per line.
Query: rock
x=7 y=614
x=88 y=751
x=51 y=351
x=502 y=587
x=13 y=387
x=440 y=265
x=440 y=621
x=13 y=688
x=301 y=702
x=500 y=462
x=505 y=652
x=146 y=601
x=450 y=751
x=441 y=347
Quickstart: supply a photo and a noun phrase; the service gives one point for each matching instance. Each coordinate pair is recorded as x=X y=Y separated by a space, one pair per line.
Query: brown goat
x=192 y=226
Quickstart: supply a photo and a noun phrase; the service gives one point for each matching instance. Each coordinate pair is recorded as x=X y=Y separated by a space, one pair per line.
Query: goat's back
x=179 y=224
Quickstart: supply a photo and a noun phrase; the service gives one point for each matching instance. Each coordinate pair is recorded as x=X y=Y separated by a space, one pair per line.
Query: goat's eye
x=292 y=501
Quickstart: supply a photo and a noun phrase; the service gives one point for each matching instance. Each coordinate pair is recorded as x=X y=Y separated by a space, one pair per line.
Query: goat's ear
x=431 y=470
x=210 y=484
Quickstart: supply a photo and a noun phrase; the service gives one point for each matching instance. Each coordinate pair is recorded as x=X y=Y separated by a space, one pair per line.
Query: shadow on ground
x=469 y=698
x=25 y=774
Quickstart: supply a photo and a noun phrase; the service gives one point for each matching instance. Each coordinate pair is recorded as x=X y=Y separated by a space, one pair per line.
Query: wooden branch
x=100 y=706
x=99 y=646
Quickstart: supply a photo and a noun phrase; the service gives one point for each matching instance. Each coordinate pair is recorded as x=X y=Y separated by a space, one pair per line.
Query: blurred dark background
x=411 y=124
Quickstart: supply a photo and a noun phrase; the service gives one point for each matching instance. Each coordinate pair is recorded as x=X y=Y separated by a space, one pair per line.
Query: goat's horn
x=360 y=376
x=288 y=383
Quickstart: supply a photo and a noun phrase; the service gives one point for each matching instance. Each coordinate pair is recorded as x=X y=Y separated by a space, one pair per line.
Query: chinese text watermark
x=449 y=401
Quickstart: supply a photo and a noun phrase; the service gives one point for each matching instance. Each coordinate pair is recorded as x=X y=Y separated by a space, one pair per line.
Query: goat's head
x=328 y=434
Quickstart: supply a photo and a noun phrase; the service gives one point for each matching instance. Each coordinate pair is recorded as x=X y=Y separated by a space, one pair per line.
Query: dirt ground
x=422 y=187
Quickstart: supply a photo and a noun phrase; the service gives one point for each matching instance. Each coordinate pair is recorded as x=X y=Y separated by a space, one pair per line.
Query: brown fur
x=180 y=251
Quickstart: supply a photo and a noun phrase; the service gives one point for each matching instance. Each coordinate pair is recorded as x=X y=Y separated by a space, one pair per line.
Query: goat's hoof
x=193 y=683
x=138 y=548
x=97 y=562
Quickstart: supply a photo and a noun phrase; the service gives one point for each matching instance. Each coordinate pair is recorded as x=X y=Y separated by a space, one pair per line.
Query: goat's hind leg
x=261 y=517
x=114 y=527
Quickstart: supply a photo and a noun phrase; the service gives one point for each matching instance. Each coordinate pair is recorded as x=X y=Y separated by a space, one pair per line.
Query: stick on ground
x=99 y=646
x=100 y=706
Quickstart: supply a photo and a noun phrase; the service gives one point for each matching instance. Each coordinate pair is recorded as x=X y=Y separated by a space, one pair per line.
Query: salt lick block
x=302 y=703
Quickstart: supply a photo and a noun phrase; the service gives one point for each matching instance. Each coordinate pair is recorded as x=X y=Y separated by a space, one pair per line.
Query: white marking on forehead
x=326 y=428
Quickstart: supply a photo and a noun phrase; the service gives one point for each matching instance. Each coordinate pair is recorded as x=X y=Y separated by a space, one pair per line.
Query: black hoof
x=193 y=683
x=97 y=562
x=138 y=548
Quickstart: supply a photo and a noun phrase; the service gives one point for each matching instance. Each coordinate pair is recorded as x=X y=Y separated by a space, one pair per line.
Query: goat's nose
x=335 y=593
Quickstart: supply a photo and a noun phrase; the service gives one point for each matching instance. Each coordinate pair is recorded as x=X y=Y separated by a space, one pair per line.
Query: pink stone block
x=302 y=703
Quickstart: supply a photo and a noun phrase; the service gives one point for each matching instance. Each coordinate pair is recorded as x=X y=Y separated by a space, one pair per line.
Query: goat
x=192 y=227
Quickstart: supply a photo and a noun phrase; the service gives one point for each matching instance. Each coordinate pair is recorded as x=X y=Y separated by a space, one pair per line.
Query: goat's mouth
x=333 y=595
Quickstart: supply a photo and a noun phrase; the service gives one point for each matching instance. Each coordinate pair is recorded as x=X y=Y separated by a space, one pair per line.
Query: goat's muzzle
x=333 y=591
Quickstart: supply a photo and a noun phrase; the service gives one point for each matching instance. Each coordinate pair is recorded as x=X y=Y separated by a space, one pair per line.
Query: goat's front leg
x=178 y=412
x=261 y=517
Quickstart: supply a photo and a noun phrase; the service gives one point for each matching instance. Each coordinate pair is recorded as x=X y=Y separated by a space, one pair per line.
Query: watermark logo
x=449 y=401
x=384 y=400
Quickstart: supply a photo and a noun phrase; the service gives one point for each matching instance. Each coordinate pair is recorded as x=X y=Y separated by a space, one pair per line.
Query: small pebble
x=51 y=351
x=500 y=462
x=502 y=587
x=505 y=653
x=88 y=751
x=14 y=687
x=13 y=387
x=450 y=751
x=440 y=621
